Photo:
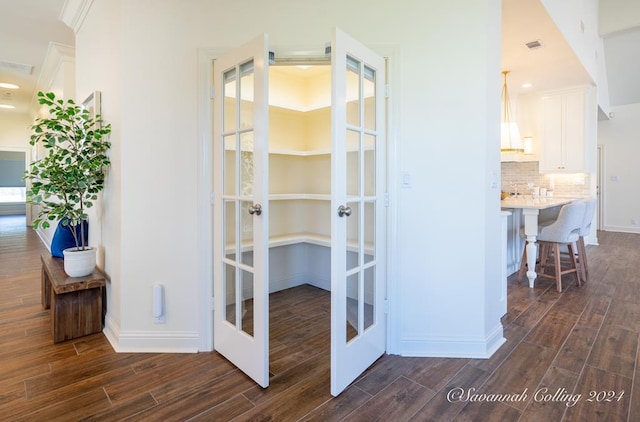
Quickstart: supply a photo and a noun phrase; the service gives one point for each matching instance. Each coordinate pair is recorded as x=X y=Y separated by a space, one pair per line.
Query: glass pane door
x=358 y=324
x=241 y=329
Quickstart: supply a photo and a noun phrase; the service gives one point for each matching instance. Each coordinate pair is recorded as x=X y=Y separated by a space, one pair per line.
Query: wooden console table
x=76 y=302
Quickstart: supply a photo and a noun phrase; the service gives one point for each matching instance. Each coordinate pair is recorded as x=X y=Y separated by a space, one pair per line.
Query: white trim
x=150 y=341
x=74 y=12
x=157 y=342
x=601 y=181
x=57 y=55
x=453 y=347
x=205 y=191
x=393 y=58
x=621 y=229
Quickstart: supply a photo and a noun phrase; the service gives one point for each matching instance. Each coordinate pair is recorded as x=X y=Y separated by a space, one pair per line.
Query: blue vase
x=63 y=237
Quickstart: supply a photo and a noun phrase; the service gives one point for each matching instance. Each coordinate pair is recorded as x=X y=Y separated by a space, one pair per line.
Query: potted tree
x=67 y=180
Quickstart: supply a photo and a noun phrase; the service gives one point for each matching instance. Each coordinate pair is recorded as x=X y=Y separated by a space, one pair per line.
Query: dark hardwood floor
x=583 y=341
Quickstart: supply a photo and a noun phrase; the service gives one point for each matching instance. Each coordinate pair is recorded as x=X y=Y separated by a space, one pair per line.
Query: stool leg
x=577 y=267
x=556 y=253
x=544 y=255
x=582 y=253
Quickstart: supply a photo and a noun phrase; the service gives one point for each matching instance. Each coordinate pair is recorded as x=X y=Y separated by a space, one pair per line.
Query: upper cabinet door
x=564 y=129
x=241 y=209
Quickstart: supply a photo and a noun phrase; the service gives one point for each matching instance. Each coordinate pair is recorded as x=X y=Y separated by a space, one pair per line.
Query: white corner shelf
x=299 y=153
x=296 y=196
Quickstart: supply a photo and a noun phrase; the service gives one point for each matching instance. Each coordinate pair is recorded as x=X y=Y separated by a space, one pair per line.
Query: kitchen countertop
x=534 y=202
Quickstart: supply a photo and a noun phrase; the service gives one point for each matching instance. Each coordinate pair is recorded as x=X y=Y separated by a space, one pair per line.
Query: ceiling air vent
x=23 y=69
x=532 y=45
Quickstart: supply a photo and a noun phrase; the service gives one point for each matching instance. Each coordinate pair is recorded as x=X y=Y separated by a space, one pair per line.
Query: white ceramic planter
x=78 y=263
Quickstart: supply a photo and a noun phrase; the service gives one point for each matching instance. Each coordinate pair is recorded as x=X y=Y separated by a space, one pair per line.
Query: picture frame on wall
x=92 y=103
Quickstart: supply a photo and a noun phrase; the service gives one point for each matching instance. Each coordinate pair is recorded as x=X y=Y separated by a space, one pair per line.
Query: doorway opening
x=299 y=204
x=13 y=163
x=300 y=217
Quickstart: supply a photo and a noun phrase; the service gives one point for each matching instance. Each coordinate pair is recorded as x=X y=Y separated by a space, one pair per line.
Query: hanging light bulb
x=510 y=140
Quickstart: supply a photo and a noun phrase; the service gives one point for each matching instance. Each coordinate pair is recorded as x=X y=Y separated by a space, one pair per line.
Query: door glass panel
x=353 y=92
x=352 y=306
x=241 y=255
x=369 y=231
x=247 y=303
x=246 y=227
x=369 y=171
x=353 y=163
x=229 y=164
x=246 y=164
x=229 y=225
x=229 y=294
x=246 y=95
x=369 y=296
x=230 y=104
x=353 y=236
x=369 y=85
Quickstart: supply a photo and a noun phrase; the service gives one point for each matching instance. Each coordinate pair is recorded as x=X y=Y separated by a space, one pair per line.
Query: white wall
x=14 y=129
x=578 y=22
x=98 y=68
x=621 y=142
x=445 y=96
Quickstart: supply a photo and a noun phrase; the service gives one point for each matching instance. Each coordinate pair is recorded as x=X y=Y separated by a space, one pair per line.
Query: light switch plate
x=406 y=179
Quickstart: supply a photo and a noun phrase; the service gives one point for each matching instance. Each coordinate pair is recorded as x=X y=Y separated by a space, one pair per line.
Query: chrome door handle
x=344 y=211
x=255 y=209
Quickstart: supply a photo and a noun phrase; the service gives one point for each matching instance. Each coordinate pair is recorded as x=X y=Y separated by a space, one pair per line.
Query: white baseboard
x=450 y=347
x=622 y=229
x=44 y=238
x=151 y=341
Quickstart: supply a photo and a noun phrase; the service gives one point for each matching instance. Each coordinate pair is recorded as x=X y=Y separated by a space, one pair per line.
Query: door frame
x=206 y=58
x=27 y=162
x=600 y=187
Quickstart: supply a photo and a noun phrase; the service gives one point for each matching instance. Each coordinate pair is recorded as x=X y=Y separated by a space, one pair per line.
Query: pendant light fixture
x=510 y=140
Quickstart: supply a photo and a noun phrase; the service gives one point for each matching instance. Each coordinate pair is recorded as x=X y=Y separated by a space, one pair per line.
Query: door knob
x=344 y=211
x=255 y=209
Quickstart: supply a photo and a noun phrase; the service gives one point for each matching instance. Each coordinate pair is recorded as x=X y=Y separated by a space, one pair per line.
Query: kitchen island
x=531 y=207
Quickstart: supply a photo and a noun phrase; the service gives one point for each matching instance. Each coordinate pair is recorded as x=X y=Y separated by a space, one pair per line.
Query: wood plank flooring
x=583 y=341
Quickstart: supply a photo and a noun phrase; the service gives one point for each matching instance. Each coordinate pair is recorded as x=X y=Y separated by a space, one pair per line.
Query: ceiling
x=29 y=26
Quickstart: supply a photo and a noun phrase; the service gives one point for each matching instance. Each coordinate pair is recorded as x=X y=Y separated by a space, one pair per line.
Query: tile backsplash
x=521 y=173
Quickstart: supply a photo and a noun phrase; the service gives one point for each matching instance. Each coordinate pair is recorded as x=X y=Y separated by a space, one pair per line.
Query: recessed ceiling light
x=527 y=85
x=6 y=106
x=8 y=85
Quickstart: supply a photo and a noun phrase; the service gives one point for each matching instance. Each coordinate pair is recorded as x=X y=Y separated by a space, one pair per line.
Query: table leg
x=531 y=231
x=45 y=287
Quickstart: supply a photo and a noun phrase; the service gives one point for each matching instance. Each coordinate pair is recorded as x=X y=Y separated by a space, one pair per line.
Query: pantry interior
x=300 y=191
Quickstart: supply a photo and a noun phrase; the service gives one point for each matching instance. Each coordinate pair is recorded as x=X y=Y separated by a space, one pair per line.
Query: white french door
x=241 y=180
x=241 y=251
x=358 y=323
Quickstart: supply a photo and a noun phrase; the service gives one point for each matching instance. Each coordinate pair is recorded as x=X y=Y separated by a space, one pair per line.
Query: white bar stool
x=565 y=231
x=585 y=229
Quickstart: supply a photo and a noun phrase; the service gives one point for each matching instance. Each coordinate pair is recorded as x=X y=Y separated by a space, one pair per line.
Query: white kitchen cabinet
x=563 y=131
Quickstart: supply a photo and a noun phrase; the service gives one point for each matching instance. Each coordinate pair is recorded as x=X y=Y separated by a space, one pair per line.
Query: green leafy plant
x=67 y=180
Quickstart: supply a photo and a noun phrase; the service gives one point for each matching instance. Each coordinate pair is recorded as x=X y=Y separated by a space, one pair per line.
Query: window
x=18 y=194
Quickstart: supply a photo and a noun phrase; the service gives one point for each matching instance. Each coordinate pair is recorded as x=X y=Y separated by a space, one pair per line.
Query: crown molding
x=73 y=13
x=57 y=55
